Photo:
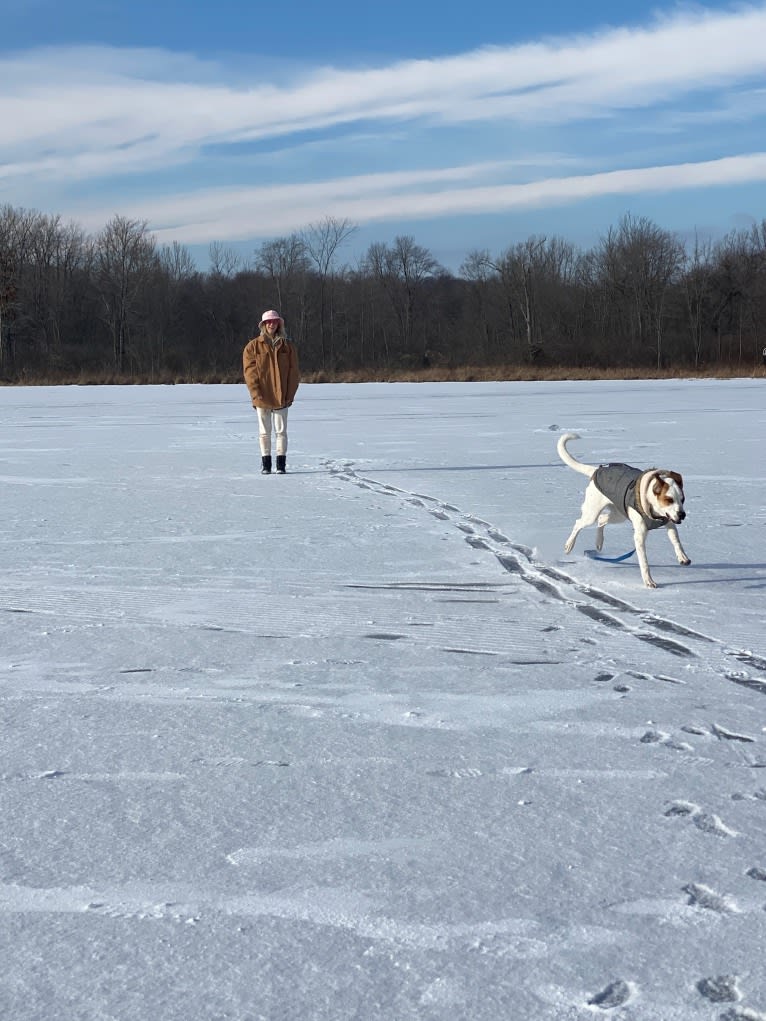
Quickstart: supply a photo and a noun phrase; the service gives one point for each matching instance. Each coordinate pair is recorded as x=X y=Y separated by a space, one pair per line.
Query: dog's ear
x=677 y=478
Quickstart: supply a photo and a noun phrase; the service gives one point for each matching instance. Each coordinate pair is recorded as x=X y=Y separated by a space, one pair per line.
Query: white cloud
x=241 y=213
x=96 y=99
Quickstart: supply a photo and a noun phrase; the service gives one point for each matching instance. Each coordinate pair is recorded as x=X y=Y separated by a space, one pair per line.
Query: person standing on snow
x=270 y=365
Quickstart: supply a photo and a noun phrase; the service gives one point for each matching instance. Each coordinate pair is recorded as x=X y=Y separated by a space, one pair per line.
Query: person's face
x=272 y=325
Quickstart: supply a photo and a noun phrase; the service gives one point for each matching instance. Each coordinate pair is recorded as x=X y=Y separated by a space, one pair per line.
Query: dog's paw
x=684 y=561
x=650 y=583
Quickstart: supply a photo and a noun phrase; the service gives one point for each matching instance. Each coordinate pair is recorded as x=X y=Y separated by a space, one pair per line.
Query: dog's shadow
x=455 y=468
x=756 y=581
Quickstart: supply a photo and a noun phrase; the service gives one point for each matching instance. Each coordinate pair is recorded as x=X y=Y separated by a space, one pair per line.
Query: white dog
x=652 y=498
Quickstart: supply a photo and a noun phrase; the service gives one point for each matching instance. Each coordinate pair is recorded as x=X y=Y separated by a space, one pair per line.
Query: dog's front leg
x=681 y=556
x=639 y=538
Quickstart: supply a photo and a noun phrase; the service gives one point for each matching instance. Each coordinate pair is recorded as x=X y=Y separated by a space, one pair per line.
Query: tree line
x=116 y=305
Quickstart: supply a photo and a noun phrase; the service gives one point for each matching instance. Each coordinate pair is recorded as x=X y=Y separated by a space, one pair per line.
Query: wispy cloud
x=241 y=213
x=71 y=117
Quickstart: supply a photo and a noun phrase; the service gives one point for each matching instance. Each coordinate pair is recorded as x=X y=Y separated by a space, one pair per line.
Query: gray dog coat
x=619 y=484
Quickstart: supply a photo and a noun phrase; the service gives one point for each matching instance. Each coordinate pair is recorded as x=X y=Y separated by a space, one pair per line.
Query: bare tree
x=8 y=285
x=176 y=261
x=58 y=253
x=698 y=269
x=731 y=289
x=283 y=261
x=125 y=253
x=476 y=268
x=758 y=249
x=401 y=269
x=16 y=231
x=164 y=299
x=638 y=262
x=523 y=264
x=224 y=261
x=516 y=272
x=321 y=242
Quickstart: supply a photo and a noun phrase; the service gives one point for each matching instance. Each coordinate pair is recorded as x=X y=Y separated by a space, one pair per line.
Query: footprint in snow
x=614 y=995
x=683 y=808
x=497 y=536
x=660 y=737
x=701 y=896
x=654 y=737
x=747 y=682
x=709 y=823
x=705 y=821
x=721 y=989
x=692 y=728
x=758 y=662
x=729 y=735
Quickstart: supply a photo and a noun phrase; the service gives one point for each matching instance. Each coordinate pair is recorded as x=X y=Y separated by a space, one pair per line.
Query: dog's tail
x=566 y=457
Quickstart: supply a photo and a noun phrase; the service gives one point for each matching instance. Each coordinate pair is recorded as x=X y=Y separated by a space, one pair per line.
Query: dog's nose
x=682 y=515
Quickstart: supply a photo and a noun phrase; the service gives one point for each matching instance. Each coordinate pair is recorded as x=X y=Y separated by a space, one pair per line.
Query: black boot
x=266 y=464
x=281 y=464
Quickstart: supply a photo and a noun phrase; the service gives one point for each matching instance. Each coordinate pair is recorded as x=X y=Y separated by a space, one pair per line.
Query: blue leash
x=609 y=560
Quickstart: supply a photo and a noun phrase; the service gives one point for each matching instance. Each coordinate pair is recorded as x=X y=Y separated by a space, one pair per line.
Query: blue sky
x=467 y=126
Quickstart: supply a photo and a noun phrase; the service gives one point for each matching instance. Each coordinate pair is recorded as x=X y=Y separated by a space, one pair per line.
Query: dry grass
x=434 y=374
x=520 y=373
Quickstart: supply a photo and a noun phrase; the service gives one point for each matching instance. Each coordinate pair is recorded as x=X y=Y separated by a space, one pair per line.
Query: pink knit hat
x=271 y=314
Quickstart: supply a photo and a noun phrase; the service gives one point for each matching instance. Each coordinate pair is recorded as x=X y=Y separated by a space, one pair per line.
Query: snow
x=361 y=741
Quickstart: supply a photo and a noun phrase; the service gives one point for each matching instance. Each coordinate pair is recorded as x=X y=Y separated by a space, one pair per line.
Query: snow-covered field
x=361 y=742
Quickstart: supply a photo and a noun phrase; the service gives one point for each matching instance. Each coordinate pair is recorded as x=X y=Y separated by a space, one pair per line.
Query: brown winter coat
x=271 y=372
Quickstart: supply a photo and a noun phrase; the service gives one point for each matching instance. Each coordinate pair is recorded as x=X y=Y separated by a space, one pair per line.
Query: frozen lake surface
x=361 y=742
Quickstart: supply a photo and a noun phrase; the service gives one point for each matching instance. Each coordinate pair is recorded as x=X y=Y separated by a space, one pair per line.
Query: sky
x=465 y=126
x=361 y=741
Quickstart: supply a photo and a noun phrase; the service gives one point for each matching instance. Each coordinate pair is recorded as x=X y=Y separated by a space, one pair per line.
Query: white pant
x=276 y=420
